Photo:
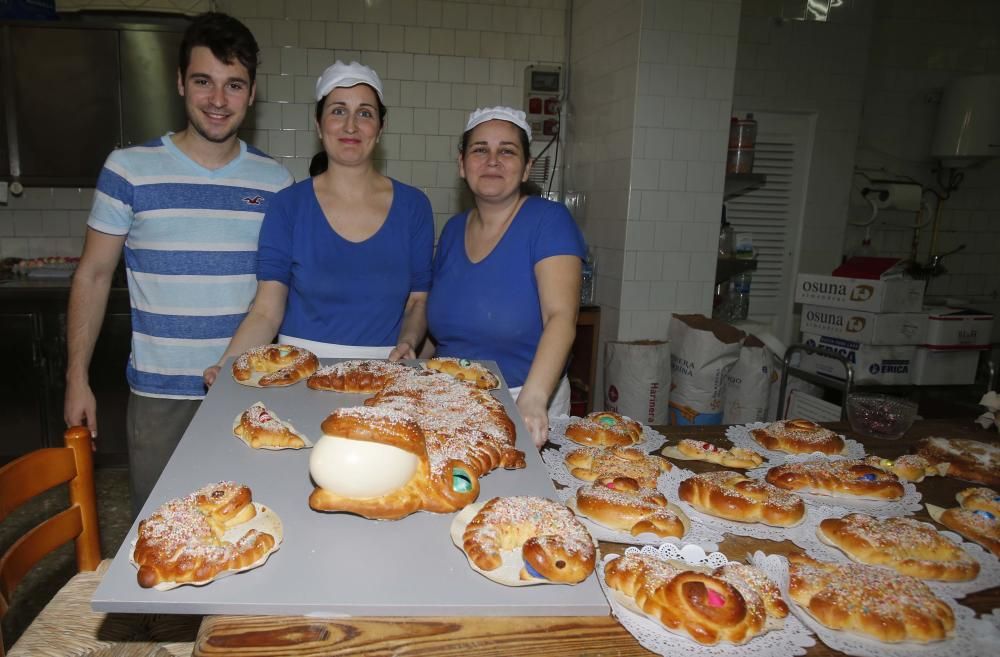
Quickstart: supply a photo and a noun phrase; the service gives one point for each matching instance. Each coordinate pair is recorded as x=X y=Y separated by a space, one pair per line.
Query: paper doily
x=651 y=439
x=802 y=534
x=793 y=639
x=966 y=640
x=989 y=566
x=907 y=505
x=739 y=435
x=706 y=536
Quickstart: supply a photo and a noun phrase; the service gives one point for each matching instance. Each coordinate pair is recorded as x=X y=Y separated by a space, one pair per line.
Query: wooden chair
x=67 y=625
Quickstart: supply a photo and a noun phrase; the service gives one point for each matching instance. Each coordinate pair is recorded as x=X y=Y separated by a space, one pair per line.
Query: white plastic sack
x=748 y=384
x=637 y=379
x=702 y=351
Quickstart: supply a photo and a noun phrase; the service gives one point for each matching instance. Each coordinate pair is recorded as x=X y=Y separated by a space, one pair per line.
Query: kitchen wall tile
x=307 y=143
x=528 y=21
x=667 y=238
x=401 y=171
x=682 y=49
x=649 y=266
x=416 y=39
x=259 y=139
x=652 y=206
x=451 y=69
x=493 y=44
x=351 y=11
x=517 y=45
x=55 y=223
x=501 y=72
x=15 y=247
x=553 y=22
x=676 y=264
x=270 y=8
x=628 y=265
x=67 y=198
x=426 y=67
x=425 y=121
x=635 y=295
x=543 y=49
x=261 y=29
x=452 y=123
x=439 y=95
x=285 y=33
x=504 y=18
x=323 y=10
x=400 y=66
x=365 y=36
x=467 y=43
x=487 y=96
x=463 y=96
x=280 y=88
x=454 y=15
x=477 y=70
x=442 y=41
x=446 y=174
x=429 y=13
x=78 y=222
x=413 y=94
x=267 y=116
x=389 y=147
x=282 y=143
x=423 y=174
x=297 y=116
x=391 y=38
x=673 y=175
x=663 y=295
x=33 y=198
x=703 y=267
x=341 y=35
x=312 y=34
x=347 y=54
x=304 y=89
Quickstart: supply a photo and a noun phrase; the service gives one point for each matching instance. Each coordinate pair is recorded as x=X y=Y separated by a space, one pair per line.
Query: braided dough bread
x=977 y=517
x=261 y=429
x=699 y=450
x=868 y=600
x=466 y=370
x=553 y=546
x=732 y=604
x=182 y=541
x=906 y=545
x=734 y=496
x=970 y=460
x=373 y=462
x=621 y=503
x=798 y=437
x=605 y=429
x=911 y=467
x=281 y=365
x=357 y=375
x=592 y=463
x=840 y=478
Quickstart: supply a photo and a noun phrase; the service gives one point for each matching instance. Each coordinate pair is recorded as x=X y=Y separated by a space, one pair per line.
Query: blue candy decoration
x=985 y=514
x=533 y=572
x=868 y=477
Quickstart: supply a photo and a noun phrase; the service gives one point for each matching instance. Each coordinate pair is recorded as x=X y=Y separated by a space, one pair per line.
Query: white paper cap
x=517 y=117
x=340 y=74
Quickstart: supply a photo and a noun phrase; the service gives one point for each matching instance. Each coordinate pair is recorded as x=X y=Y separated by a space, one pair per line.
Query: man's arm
x=88 y=298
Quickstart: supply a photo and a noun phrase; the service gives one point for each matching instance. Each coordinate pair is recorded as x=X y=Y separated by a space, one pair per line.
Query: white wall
x=916 y=50
x=438 y=61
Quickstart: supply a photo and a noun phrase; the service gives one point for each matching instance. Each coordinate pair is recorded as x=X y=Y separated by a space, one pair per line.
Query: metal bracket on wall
x=845 y=385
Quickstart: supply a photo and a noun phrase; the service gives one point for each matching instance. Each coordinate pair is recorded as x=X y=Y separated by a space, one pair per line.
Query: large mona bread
x=798 y=437
x=970 y=460
x=734 y=496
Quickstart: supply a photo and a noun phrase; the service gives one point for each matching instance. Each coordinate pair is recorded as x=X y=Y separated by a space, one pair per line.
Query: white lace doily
x=989 y=567
x=705 y=536
x=802 y=534
x=652 y=439
x=967 y=639
x=739 y=435
x=907 y=505
x=792 y=639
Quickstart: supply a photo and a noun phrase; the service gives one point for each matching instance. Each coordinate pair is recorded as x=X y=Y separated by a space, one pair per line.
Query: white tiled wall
x=438 y=61
x=914 y=54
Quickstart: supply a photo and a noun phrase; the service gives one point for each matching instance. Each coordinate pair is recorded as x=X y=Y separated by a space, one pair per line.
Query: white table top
x=332 y=564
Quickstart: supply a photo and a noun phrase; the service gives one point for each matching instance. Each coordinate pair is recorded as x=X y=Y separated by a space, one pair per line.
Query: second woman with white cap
x=507 y=273
x=344 y=257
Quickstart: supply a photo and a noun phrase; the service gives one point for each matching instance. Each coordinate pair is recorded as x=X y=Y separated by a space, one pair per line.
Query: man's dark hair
x=226 y=37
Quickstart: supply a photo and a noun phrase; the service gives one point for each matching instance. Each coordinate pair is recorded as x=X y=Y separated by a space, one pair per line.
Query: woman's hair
x=528 y=188
x=321 y=160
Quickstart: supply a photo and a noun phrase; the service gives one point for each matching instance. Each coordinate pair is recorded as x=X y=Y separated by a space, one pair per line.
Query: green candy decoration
x=608 y=421
x=461 y=482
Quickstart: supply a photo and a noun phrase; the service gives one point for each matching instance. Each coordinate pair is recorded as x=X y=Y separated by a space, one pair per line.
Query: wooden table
x=541 y=636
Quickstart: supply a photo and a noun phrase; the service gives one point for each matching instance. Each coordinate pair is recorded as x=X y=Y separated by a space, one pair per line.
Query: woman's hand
x=401 y=351
x=535 y=412
x=210 y=374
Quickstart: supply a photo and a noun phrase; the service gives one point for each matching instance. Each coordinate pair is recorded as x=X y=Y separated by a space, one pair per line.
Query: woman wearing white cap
x=507 y=273
x=344 y=257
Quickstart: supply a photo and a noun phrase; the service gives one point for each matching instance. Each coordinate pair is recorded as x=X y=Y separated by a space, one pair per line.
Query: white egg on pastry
x=359 y=468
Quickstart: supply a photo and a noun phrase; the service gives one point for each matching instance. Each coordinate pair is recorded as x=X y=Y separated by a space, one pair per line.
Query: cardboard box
x=875 y=296
x=941 y=367
x=865 y=327
x=952 y=327
x=878 y=365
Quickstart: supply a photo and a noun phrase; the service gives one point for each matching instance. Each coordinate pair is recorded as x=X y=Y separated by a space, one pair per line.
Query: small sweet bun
x=970 y=460
x=553 y=543
x=466 y=370
x=605 y=429
x=282 y=364
x=977 y=517
x=593 y=463
x=910 y=467
x=839 y=478
x=373 y=462
x=623 y=504
x=907 y=546
x=736 y=457
x=358 y=376
x=798 y=437
x=182 y=540
x=733 y=604
x=734 y=496
x=868 y=600
x=261 y=428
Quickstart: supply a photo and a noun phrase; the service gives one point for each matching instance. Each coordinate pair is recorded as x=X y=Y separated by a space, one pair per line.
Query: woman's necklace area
x=478 y=247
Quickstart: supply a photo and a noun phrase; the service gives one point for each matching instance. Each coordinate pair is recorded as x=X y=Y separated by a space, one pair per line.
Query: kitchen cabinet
x=583 y=360
x=33 y=323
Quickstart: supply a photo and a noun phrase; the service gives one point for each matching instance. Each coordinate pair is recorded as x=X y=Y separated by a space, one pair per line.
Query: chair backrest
x=35 y=473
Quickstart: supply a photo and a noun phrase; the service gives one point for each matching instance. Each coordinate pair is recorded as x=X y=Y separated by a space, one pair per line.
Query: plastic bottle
x=740 y=296
x=587 y=284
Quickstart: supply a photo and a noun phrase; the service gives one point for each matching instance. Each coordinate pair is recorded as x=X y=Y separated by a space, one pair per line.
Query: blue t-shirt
x=490 y=310
x=344 y=292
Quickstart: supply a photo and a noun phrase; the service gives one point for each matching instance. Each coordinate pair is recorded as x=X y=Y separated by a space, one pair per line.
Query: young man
x=187 y=208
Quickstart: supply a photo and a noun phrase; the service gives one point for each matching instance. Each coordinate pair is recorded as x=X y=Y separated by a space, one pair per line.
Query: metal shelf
x=741 y=183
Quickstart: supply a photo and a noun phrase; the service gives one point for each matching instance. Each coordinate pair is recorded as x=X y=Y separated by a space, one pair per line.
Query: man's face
x=216 y=95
